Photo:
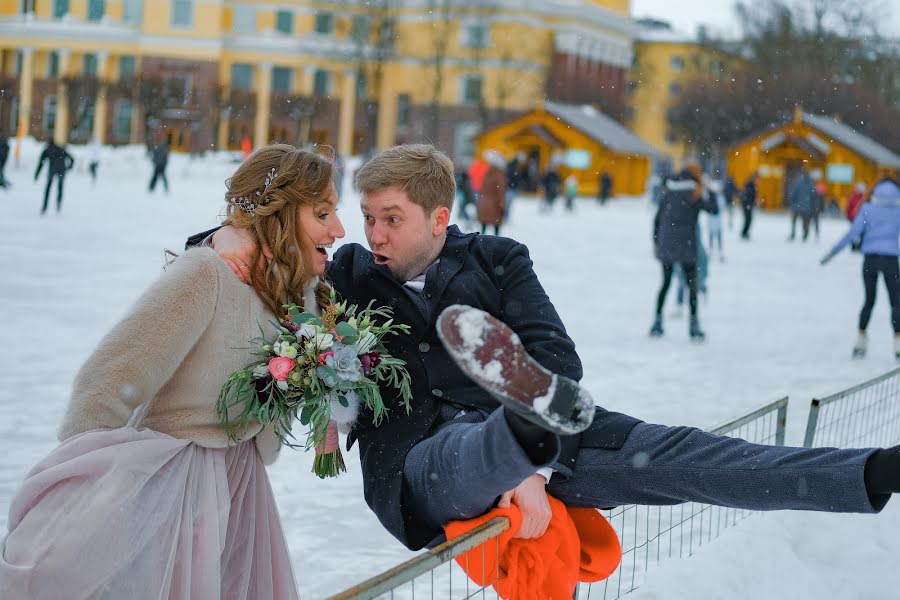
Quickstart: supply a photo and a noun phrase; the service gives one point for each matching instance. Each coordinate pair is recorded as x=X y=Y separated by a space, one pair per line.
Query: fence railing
x=649 y=535
x=652 y=534
x=865 y=415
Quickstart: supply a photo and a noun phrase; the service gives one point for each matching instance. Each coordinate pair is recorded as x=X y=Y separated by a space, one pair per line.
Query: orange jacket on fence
x=579 y=545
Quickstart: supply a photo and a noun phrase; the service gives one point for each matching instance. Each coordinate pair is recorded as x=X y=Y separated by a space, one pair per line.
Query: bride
x=146 y=497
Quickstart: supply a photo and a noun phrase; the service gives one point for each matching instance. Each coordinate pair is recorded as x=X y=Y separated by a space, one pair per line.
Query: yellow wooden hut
x=829 y=150
x=581 y=140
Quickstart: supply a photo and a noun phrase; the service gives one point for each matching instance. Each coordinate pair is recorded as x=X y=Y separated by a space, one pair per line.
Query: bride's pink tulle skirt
x=126 y=513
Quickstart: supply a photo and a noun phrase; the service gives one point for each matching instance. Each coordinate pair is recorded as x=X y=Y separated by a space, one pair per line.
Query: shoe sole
x=564 y=408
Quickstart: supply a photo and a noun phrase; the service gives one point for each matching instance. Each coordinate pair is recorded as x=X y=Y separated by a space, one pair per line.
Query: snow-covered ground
x=777 y=324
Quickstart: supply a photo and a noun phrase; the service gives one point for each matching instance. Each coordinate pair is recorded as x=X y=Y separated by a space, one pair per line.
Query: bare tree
x=81 y=99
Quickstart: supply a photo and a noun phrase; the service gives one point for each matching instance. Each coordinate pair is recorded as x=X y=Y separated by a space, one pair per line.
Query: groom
x=458 y=450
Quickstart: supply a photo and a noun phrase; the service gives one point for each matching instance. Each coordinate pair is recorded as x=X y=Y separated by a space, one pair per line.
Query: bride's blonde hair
x=264 y=197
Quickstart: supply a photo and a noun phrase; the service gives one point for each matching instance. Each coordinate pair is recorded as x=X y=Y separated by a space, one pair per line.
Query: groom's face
x=401 y=235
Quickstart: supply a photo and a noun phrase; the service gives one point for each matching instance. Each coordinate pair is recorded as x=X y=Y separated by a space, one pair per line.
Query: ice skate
x=859 y=348
x=897 y=347
x=492 y=355
x=695 y=332
x=657 y=329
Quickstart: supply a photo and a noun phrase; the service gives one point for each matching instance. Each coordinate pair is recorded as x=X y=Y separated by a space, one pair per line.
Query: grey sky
x=685 y=15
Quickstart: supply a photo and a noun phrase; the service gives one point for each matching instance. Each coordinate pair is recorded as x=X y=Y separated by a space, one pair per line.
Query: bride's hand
x=236 y=247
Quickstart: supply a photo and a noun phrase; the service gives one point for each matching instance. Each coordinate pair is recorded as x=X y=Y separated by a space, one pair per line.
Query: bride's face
x=319 y=227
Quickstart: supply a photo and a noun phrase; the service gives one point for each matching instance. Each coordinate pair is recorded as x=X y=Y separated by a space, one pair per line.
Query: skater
x=702 y=274
x=714 y=225
x=571 y=192
x=748 y=204
x=93 y=159
x=473 y=436
x=878 y=224
x=58 y=163
x=465 y=196
x=605 y=188
x=550 y=182
x=4 y=156
x=803 y=201
x=493 y=193
x=160 y=159
x=856 y=200
x=675 y=240
x=730 y=191
x=515 y=178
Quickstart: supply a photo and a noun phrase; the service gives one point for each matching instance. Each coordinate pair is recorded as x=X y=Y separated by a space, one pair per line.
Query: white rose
x=324 y=340
x=285 y=349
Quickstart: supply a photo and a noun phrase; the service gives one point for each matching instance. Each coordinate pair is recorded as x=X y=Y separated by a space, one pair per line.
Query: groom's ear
x=440 y=218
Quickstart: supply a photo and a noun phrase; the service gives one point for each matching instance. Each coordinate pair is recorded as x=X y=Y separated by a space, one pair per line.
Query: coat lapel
x=453 y=257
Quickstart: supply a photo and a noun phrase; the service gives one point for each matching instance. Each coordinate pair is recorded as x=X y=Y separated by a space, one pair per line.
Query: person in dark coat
x=675 y=239
x=458 y=449
x=515 y=177
x=58 y=163
x=465 y=195
x=160 y=159
x=605 y=190
x=730 y=191
x=748 y=204
x=803 y=202
x=4 y=156
x=551 y=182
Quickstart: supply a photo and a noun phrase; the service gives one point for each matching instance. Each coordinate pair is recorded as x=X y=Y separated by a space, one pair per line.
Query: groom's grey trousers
x=459 y=472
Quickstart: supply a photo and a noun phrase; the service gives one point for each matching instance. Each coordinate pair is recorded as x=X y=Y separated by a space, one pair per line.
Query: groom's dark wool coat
x=491 y=273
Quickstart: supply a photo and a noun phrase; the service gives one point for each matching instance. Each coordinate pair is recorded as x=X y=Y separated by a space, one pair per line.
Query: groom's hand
x=236 y=247
x=531 y=498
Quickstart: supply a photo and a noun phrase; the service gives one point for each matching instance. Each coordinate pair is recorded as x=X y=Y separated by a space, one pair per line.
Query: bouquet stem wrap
x=329 y=461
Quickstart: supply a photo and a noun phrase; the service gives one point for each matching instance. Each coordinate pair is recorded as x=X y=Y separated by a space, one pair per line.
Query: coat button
x=437 y=392
x=424 y=347
x=428 y=296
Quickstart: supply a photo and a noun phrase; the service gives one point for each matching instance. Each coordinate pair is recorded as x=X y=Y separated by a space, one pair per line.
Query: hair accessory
x=248 y=204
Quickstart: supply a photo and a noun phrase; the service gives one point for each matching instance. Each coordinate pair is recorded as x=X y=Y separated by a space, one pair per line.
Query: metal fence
x=866 y=415
x=652 y=534
x=649 y=535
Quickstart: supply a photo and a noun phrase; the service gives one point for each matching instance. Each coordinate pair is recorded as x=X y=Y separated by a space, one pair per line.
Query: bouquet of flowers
x=316 y=368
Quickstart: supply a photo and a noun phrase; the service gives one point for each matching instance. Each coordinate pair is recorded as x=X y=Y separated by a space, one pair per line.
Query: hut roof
x=853 y=139
x=601 y=128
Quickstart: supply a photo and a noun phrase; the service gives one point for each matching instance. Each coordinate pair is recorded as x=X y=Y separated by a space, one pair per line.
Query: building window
x=361 y=85
x=122 y=121
x=85 y=115
x=182 y=13
x=14 y=115
x=463 y=141
x=324 y=23
x=244 y=19
x=53 y=64
x=475 y=35
x=127 y=65
x=321 y=83
x=17 y=64
x=471 y=89
x=133 y=12
x=675 y=89
x=60 y=8
x=241 y=76
x=404 y=110
x=96 y=9
x=90 y=65
x=677 y=63
x=281 y=80
x=179 y=88
x=49 y=118
x=284 y=21
x=359 y=29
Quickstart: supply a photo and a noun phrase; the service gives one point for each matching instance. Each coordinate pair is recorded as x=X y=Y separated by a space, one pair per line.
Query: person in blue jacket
x=878 y=225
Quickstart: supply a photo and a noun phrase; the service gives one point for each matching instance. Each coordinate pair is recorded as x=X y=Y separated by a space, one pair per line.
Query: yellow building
x=831 y=151
x=665 y=63
x=582 y=140
x=206 y=73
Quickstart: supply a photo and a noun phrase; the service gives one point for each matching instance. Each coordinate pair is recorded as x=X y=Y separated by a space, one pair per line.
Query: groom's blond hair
x=420 y=170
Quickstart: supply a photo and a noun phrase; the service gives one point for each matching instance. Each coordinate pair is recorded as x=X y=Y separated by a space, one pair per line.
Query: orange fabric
x=477 y=170
x=579 y=545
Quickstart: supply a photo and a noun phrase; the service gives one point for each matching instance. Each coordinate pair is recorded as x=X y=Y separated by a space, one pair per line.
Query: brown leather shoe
x=493 y=356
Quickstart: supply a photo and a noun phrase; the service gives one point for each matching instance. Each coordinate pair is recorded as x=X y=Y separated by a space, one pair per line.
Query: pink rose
x=280 y=366
x=324 y=356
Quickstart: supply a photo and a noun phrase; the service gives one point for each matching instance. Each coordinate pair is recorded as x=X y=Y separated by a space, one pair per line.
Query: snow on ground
x=777 y=324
